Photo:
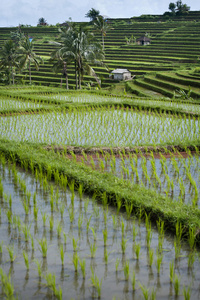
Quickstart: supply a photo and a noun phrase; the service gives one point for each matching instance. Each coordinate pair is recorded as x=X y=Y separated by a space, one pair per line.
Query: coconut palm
x=102 y=26
x=27 y=56
x=88 y=52
x=80 y=47
x=8 y=59
x=59 y=64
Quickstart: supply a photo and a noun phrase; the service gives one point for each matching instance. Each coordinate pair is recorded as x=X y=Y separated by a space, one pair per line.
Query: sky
x=28 y=12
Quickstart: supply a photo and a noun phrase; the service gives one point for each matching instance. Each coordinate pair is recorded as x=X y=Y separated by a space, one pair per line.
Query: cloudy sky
x=27 y=12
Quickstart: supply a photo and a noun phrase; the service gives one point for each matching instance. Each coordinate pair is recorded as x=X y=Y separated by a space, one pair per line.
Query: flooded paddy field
x=176 y=175
x=101 y=127
x=8 y=104
x=62 y=244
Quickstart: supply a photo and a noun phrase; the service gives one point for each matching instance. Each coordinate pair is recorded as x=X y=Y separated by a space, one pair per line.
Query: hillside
x=159 y=69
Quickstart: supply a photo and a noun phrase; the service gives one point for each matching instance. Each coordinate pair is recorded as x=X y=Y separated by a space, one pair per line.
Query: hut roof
x=120 y=71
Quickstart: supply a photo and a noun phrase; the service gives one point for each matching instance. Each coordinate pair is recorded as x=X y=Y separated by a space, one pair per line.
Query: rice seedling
x=83 y=267
x=7 y=285
x=51 y=224
x=75 y=244
x=75 y=261
x=26 y=260
x=35 y=212
x=62 y=254
x=39 y=268
x=93 y=249
x=171 y=271
x=80 y=190
x=151 y=256
x=191 y=238
x=129 y=208
x=117 y=264
x=43 y=247
x=80 y=222
x=159 y=261
x=94 y=233
x=10 y=250
x=1 y=247
x=186 y=293
x=126 y=270
x=51 y=282
x=9 y=216
x=191 y=259
x=137 y=248
x=133 y=281
x=177 y=248
x=65 y=237
x=44 y=218
x=114 y=218
x=176 y=284
x=123 y=244
x=96 y=283
x=145 y=291
x=62 y=209
x=71 y=214
x=105 y=236
x=59 y=230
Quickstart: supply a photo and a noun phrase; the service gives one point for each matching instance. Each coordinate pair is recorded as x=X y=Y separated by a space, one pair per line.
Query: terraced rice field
x=118 y=220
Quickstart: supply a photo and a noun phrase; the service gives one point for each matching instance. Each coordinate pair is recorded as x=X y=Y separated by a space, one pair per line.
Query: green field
x=100 y=187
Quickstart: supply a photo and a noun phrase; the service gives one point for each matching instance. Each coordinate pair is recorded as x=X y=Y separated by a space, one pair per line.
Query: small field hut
x=121 y=74
x=143 y=40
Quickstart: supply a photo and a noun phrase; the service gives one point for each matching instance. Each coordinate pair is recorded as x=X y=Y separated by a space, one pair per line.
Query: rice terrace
x=99 y=177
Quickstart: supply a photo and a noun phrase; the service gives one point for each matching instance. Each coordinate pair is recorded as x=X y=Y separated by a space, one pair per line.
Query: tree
x=17 y=36
x=92 y=14
x=8 y=59
x=79 y=45
x=179 y=8
x=102 y=26
x=172 y=7
x=42 y=22
x=59 y=64
x=182 y=8
x=27 y=56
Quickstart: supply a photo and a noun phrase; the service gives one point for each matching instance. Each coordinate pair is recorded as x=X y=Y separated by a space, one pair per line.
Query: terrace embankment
x=117 y=150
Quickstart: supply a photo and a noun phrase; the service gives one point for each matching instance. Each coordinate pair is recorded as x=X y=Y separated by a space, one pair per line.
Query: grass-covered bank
x=105 y=187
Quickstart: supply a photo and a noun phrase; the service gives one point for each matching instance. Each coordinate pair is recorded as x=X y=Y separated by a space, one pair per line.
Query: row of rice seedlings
x=176 y=176
x=6 y=105
x=112 y=127
x=86 y=98
x=43 y=246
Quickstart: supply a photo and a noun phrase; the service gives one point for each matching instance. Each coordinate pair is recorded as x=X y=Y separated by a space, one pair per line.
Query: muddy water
x=27 y=283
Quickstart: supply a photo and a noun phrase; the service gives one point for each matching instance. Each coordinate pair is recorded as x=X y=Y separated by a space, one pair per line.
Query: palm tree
x=27 y=56
x=87 y=52
x=59 y=64
x=102 y=26
x=8 y=59
x=79 y=46
x=92 y=14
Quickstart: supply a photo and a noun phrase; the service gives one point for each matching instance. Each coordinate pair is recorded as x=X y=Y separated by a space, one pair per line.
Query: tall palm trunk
x=13 y=78
x=30 y=71
x=65 y=74
x=79 y=73
x=103 y=40
x=76 y=75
